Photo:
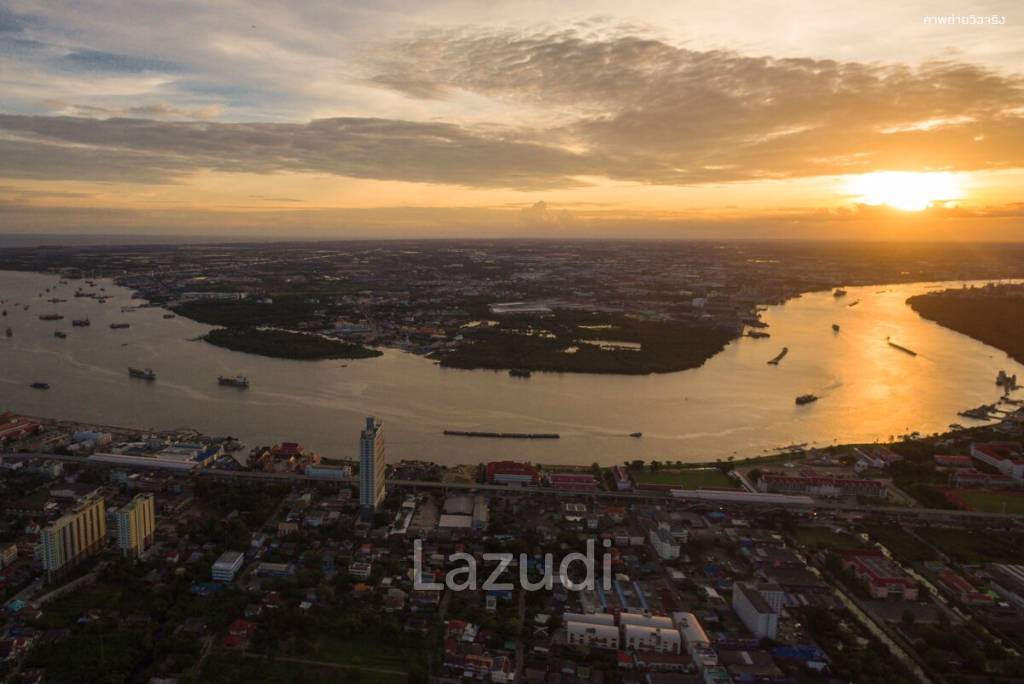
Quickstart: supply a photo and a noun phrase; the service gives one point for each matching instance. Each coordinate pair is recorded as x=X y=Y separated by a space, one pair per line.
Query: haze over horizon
x=517 y=119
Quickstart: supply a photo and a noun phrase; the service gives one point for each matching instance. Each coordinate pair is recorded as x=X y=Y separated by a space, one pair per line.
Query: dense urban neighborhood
x=161 y=557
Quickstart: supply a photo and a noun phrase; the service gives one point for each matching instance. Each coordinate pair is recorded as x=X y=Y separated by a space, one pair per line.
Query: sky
x=460 y=118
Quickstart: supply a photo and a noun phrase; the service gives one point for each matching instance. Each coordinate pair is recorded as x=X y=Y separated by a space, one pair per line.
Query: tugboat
x=40 y=385
x=835 y=327
x=839 y=292
x=146 y=374
x=805 y=399
x=81 y=322
x=237 y=381
x=60 y=334
x=519 y=373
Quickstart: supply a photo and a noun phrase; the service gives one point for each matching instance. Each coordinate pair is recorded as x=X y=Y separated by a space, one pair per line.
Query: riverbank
x=992 y=314
x=281 y=344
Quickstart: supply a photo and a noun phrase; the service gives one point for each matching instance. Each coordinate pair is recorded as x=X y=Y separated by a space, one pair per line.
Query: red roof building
x=574 y=481
x=884 y=578
x=511 y=472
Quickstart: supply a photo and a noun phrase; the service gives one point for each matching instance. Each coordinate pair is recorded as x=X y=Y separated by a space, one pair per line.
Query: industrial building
x=759 y=610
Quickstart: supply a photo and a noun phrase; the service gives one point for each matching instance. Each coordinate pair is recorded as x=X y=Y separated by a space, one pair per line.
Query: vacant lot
x=901 y=543
x=971 y=546
x=994 y=502
x=687 y=478
x=826 y=538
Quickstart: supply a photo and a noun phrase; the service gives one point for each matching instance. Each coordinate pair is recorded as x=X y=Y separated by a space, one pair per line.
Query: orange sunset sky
x=463 y=118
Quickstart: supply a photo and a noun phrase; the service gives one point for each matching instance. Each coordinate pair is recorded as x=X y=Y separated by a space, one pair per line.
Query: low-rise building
x=512 y=473
x=664 y=543
x=884 y=578
x=227 y=566
x=1003 y=456
x=756 y=610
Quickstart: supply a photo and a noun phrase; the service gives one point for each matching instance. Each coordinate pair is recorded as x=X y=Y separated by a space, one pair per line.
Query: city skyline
x=517 y=120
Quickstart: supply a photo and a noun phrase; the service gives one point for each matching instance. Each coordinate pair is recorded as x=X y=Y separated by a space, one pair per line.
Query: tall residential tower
x=371 y=464
x=136 y=523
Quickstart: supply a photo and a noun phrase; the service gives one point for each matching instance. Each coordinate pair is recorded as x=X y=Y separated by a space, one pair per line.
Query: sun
x=906 y=190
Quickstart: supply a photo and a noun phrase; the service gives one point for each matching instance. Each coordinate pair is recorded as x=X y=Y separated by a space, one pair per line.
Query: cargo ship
x=81 y=322
x=40 y=385
x=146 y=374
x=120 y=326
x=51 y=317
x=503 y=435
x=901 y=348
x=805 y=399
x=636 y=434
x=237 y=381
x=778 y=357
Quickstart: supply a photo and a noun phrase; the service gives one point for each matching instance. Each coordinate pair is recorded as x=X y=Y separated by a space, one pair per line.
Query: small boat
x=81 y=322
x=169 y=316
x=835 y=327
x=778 y=357
x=636 y=434
x=237 y=381
x=757 y=334
x=839 y=292
x=854 y=303
x=120 y=326
x=40 y=385
x=519 y=373
x=5 y=312
x=10 y=333
x=51 y=317
x=60 y=334
x=805 y=399
x=146 y=374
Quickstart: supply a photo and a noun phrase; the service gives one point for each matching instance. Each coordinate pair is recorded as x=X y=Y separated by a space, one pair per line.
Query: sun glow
x=905 y=190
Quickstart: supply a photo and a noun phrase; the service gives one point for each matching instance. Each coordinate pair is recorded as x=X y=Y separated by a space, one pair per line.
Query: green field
x=687 y=478
x=994 y=502
x=823 y=537
x=901 y=543
x=970 y=546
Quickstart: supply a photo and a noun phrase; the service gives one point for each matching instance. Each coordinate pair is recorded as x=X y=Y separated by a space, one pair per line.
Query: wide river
x=735 y=405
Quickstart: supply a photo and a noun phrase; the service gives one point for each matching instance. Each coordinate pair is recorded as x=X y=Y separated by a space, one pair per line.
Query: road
x=645 y=496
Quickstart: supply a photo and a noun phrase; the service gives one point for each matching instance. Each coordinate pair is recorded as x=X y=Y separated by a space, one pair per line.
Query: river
x=735 y=405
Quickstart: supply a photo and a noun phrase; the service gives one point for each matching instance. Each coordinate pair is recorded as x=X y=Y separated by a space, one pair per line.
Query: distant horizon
x=652 y=120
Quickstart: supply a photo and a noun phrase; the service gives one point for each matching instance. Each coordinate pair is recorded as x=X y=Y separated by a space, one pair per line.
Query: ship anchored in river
x=900 y=347
x=778 y=357
x=237 y=381
x=146 y=374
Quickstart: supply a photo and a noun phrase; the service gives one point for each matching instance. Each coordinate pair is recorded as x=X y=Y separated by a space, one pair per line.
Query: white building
x=371 y=464
x=590 y=634
x=1003 y=456
x=693 y=634
x=651 y=639
x=664 y=544
x=756 y=610
x=136 y=524
x=227 y=566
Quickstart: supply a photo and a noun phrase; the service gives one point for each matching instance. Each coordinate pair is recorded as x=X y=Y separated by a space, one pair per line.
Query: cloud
x=655 y=112
x=612 y=104
x=156 y=110
x=539 y=214
x=59 y=147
